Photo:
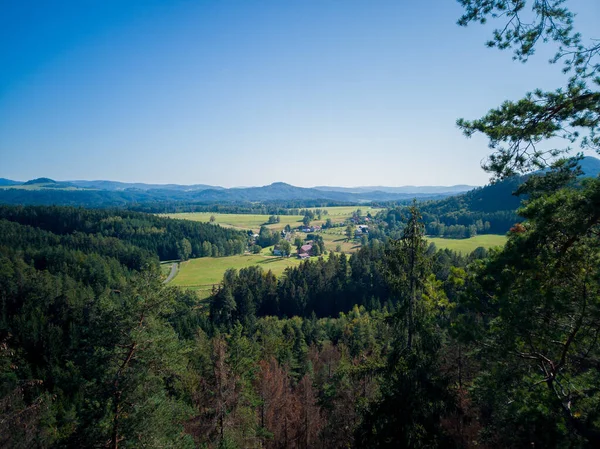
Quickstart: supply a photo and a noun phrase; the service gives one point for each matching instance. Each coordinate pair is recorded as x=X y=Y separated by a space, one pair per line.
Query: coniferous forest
x=398 y=345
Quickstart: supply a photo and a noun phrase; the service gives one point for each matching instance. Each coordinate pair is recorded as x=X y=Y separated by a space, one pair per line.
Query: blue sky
x=232 y=93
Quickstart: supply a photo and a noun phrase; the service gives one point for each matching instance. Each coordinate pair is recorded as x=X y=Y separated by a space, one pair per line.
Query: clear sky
x=248 y=92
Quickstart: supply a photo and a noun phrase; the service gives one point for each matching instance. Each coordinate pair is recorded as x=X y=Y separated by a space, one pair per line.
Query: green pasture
x=244 y=222
x=337 y=236
x=466 y=246
x=339 y=214
x=240 y=221
x=203 y=273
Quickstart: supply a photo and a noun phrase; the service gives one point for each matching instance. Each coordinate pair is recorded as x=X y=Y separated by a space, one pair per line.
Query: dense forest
x=398 y=345
x=163 y=237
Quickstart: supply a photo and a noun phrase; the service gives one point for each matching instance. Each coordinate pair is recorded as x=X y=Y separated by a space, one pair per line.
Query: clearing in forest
x=466 y=246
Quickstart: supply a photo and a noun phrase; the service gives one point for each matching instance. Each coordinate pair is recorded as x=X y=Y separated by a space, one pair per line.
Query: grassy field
x=255 y=221
x=336 y=236
x=240 y=221
x=466 y=246
x=340 y=213
x=201 y=274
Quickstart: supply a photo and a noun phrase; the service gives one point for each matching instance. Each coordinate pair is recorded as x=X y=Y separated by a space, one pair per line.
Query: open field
x=241 y=222
x=255 y=221
x=336 y=236
x=466 y=246
x=201 y=274
x=341 y=213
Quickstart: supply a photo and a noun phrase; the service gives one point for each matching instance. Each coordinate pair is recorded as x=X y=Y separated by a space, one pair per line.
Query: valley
x=293 y=225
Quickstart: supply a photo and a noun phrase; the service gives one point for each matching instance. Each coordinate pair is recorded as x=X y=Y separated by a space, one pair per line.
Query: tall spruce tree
x=415 y=393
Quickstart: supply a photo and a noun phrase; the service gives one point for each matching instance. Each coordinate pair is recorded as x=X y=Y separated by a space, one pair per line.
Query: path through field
x=171 y=274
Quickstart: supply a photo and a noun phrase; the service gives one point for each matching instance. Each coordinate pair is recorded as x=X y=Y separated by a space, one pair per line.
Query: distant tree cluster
x=267 y=237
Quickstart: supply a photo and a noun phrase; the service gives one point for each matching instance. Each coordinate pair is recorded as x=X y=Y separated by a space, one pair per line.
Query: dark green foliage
x=532 y=309
x=266 y=237
x=79 y=347
x=321 y=287
x=164 y=237
x=539 y=303
x=415 y=394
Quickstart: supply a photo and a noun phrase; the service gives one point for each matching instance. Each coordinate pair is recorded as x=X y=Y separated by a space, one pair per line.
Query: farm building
x=305 y=251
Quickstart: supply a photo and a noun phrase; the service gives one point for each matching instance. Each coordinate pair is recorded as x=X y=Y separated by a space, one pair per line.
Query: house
x=278 y=252
x=360 y=231
x=305 y=251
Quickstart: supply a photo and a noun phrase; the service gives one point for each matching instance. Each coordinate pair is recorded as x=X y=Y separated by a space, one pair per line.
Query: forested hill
x=162 y=237
x=498 y=196
x=491 y=198
x=492 y=207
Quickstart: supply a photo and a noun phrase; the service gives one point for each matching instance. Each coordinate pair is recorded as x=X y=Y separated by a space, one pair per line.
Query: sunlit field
x=201 y=274
x=466 y=246
x=255 y=221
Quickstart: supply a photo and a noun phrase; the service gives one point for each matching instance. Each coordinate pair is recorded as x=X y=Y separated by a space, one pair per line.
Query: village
x=309 y=240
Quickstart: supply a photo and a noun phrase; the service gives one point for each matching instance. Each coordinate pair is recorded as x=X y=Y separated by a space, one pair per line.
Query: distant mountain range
x=112 y=193
x=115 y=185
x=403 y=189
x=119 y=186
x=7 y=182
x=80 y=193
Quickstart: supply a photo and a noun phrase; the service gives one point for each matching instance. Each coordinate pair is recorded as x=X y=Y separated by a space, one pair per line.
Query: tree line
x=274 y=207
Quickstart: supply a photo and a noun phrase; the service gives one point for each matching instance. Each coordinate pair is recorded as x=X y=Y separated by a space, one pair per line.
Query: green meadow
x=201 y=274
x=341 y=213
x=338 y=214
x=241 y=222
x=466 y=246
x=336 y=236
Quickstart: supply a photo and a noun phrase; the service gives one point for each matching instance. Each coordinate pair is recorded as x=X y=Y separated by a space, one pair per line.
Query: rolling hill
x=106 y=193
x=44 y=191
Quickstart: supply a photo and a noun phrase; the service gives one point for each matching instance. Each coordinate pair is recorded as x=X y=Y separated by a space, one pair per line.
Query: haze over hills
x=112 y=193
x=402 y=189
x=9 y=182
x=117 y=185
x=44 y=191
